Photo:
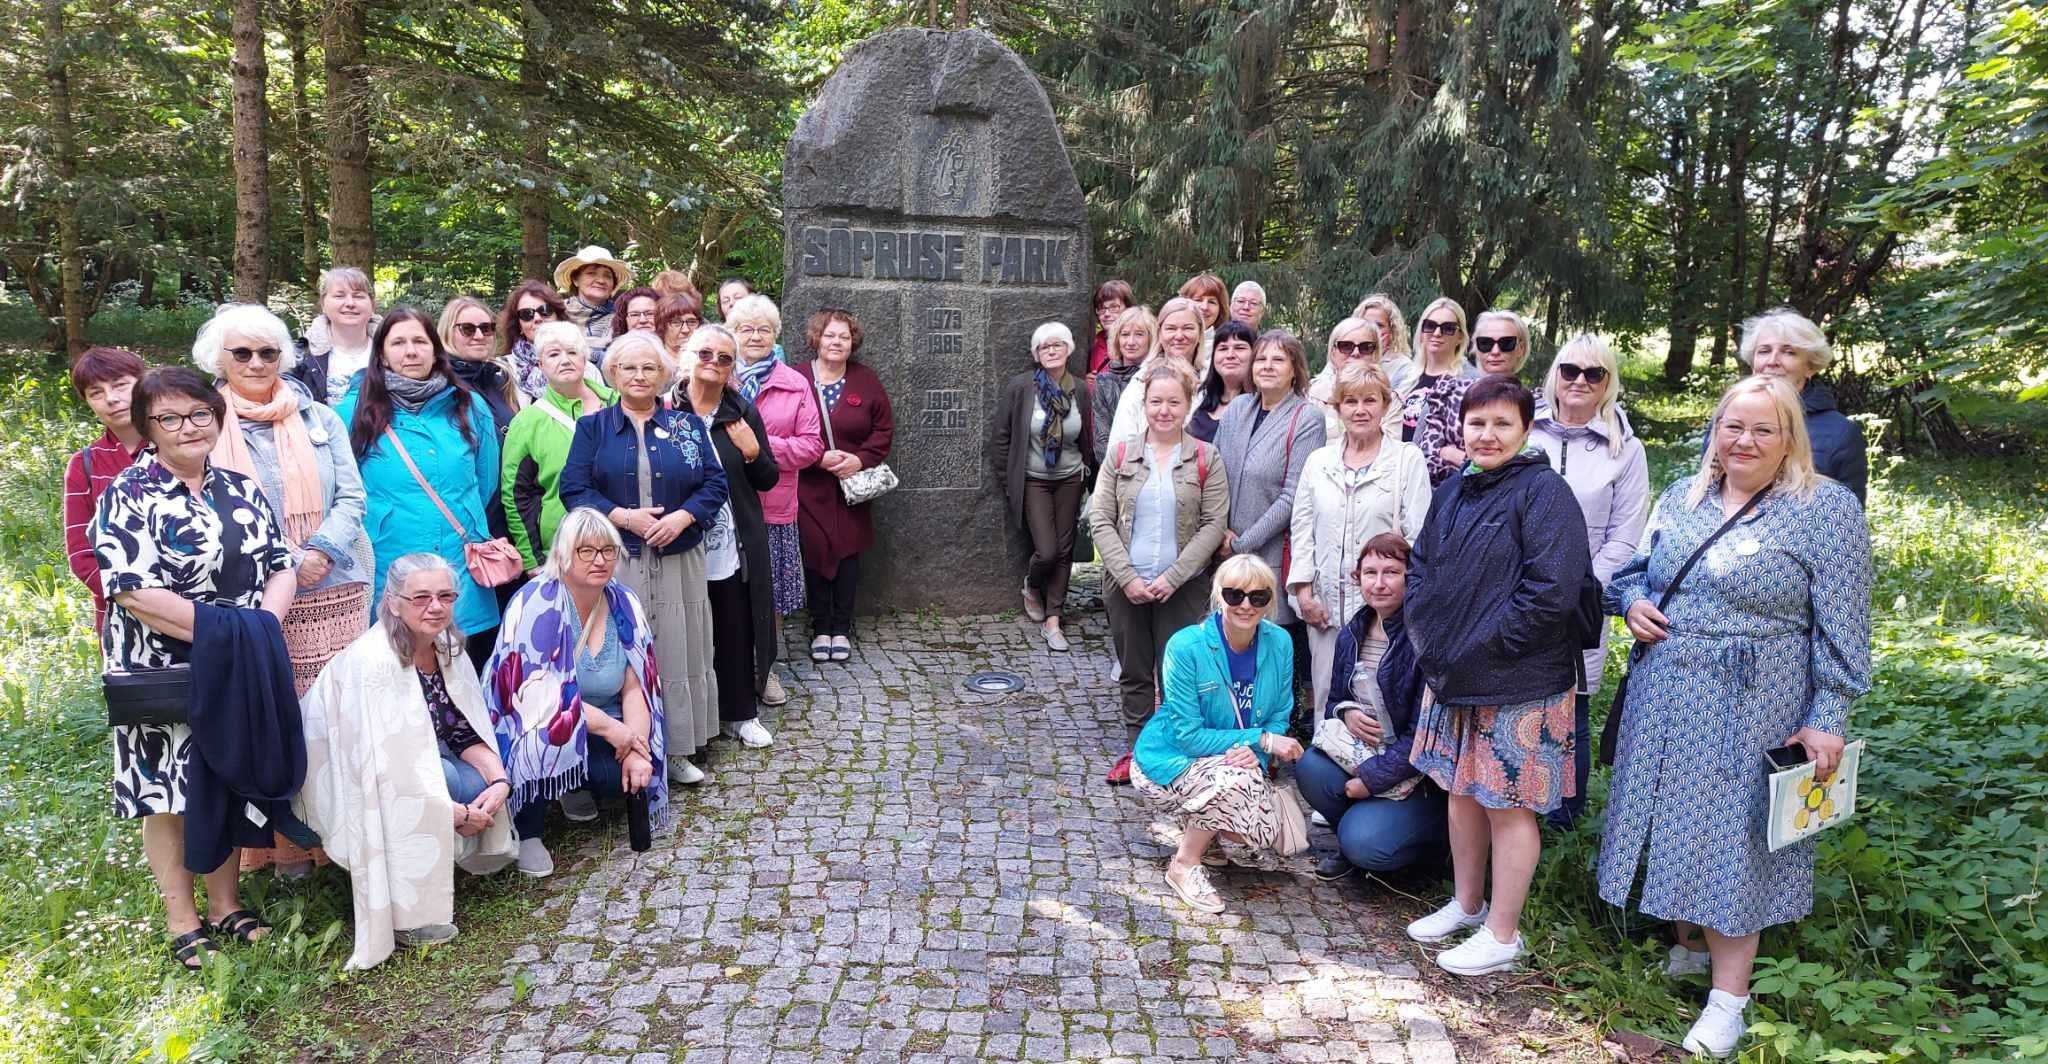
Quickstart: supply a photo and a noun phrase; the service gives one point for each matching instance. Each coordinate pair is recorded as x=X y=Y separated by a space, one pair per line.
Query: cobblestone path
x=914 y=872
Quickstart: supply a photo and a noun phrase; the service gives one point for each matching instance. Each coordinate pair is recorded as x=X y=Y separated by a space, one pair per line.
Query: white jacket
x=1612 y=485
x=1401 y=373
x=1332 y=519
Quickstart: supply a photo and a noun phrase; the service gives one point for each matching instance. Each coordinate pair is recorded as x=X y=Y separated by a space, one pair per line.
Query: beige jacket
x=1201 y=503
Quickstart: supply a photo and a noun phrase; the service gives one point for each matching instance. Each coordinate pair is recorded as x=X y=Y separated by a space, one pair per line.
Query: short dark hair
x=98 y=365
x=172 y=382
x=814 y=329
x=1233 y=329
x=1384 y=545
x=1114 y=289
x=738 y=280
x=679 y=305
x=1500 y=388
x=619 y=305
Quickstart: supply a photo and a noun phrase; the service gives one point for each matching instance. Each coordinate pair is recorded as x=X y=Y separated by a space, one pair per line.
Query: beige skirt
x=1221 y=797
x=319 y=625
x=672 y=591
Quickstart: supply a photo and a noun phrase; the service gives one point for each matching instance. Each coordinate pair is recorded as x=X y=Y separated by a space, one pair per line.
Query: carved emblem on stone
x=949 y=167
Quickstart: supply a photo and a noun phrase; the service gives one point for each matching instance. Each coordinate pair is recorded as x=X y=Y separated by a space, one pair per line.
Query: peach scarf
x=297 y=464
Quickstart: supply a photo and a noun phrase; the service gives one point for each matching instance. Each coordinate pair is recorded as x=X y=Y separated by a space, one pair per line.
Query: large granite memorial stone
x=927 y=190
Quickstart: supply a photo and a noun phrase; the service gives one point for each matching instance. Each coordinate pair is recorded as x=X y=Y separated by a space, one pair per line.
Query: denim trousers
x=1376 y=834
x=602 y=777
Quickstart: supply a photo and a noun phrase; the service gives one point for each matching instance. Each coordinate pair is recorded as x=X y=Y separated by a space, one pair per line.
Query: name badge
x=1748 y=547
x=660 y=433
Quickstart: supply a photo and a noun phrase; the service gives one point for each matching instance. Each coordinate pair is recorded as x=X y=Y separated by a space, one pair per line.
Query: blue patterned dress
x=1769 y=633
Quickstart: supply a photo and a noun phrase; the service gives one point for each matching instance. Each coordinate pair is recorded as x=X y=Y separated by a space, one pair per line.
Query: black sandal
x=185 y=948
x=242 y=924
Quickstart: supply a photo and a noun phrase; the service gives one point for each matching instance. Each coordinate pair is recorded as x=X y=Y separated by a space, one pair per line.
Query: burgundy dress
x=863 y=425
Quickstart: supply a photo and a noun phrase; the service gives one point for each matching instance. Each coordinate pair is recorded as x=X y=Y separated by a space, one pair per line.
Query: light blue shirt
x=1154 y=545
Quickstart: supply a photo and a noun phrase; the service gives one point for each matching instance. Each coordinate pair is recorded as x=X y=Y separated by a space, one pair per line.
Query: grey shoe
x=1055 y=639
x=1034 y=606
x=1333 y=868
x=579 y=806
x=534 y=859
x=424 y=936
x=772 y=693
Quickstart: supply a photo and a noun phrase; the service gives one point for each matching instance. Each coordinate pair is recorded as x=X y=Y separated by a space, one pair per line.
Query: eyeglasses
x=198 y=419
x=1756 y=433
x=1485 y=344
x=1593 y=374
x=639 y=316
x=543 y=312
x=607 y=553
x=1429 y=327
x=473 y=329
x=427 y=598
x=1237 y=596
x=1348 y=348
x=705 y=354
x=753 y=330
x=686 y=323
x=261 y=354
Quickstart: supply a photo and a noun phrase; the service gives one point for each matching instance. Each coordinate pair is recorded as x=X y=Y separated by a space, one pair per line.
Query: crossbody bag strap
x=428 y=488
x=824 y=412
x=1664 y=600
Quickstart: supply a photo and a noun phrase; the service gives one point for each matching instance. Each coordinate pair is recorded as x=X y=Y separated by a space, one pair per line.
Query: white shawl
x=376 y=794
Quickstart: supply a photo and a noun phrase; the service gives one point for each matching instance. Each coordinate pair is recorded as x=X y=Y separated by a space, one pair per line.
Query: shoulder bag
x=491 y=562
x=872 y=482
x=1610 y=733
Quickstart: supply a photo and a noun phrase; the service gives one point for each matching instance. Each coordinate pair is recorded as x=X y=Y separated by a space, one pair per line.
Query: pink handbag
x=491 y=562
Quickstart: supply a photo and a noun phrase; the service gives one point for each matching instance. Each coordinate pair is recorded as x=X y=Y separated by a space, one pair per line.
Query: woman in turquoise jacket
x=1202 y=758
x=410 y=405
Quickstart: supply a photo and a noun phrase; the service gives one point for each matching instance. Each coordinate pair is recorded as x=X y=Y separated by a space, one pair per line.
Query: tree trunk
x=1737 y=214
x=251 y=74
x=533 y=148
x=350 y=232
x=63 y=135
x=1683 y=321
x=959 y=14
x=302 y=143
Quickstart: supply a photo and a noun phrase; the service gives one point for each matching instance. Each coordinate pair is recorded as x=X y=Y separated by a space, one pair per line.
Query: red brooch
x=852 y=400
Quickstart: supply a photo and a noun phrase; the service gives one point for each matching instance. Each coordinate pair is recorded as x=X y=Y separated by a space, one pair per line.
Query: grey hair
x=710 y=328
x=449 y=643
x=1793 y=328
x=580 y=527
x=1249 y=286
x=249 y=319
x=1052 y=330
x=634 y=341
x=755 y=307
x=346 y=277
x=565 y=333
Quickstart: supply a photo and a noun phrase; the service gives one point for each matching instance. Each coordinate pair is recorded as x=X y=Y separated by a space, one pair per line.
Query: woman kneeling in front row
x=403 y=781
x=572 y=685
x=1229 y=684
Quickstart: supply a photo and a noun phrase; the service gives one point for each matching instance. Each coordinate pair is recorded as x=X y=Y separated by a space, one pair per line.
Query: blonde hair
x=1585 y=349
x=1395 y=340
x=1796 y=330
x=1134 y=318
x=675 y=283
x=583 y=526
x=1353 y=324
x=1796 y=476
x=1359 y=376
x=1247 y=571
x=631 y=343
x=1515 y=321
x=1168 y=369
x=345 y=277
x=1458 y=312
x=453 y=309
x=1180 y=305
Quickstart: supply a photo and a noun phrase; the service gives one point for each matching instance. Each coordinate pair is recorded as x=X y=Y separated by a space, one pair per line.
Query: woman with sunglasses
x=736 y=553
x=1439 y=348
x=1361 y=340
x=1580 y=428
x=471 y=336
x=297 y=451
x=652 y=472
x=532 y=305
x=1500 y=344
x=537 y=445
x=1203 y=757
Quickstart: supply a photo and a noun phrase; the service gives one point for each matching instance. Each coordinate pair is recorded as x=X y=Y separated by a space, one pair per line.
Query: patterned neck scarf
x=754 y=375
x=1057 y=401
x=526 y=367
x=411 y=395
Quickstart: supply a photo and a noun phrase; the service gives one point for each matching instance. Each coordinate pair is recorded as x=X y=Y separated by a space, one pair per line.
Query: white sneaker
x=1480 y=954
x=1318 y=819
x=1719 y=1029
x=1445 y=922
x=772 y=693
x=1680 y=961
x=579 y=806
x=534 y=859
x=680 y=770
x=751 y=733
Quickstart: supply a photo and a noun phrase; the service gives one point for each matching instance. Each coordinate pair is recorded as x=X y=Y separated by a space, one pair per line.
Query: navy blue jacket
x=248 y=741
x=1493 y=584
x=603 y=470
x=1400 y=681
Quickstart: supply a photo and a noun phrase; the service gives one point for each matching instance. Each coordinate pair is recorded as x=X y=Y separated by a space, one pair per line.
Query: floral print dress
x=151 y=531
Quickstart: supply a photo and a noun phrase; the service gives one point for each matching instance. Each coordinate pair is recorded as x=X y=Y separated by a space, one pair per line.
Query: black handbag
x=1610 y=733
x=148 y=696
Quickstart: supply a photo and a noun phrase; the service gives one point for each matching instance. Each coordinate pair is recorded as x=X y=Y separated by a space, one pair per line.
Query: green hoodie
x=535 y=447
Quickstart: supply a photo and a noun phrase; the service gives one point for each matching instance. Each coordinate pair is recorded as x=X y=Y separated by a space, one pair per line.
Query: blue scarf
x=754 y=376
x=1057 y=402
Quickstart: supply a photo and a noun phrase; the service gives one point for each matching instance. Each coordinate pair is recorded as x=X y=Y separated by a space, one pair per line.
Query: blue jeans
x=1564 y=816
x=464 y=781
x=1376 y=834
x=602 y=777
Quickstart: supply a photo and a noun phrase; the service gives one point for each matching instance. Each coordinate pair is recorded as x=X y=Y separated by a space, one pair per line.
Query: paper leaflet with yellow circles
x=1799 y=806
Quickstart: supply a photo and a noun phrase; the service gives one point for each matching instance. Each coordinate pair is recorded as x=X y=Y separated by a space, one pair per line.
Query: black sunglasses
x=1445 y=327
x=261 y=354
x=1593 y=374
x=1347 y=348
x=472 y=328
x=529 y=313
x=1236 y=596
x=1485 y=344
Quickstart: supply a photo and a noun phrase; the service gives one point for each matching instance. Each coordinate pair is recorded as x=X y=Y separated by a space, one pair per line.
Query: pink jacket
x=789 y=410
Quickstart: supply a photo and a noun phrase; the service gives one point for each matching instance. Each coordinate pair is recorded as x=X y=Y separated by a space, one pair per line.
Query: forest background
x=1654 y=170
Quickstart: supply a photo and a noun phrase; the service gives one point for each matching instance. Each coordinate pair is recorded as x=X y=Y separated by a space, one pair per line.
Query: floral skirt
x=786 y=567
x=1506 y=757
x=1218 y=797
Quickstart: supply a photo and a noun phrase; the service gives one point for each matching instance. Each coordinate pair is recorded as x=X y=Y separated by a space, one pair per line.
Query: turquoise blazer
x=1195 y=718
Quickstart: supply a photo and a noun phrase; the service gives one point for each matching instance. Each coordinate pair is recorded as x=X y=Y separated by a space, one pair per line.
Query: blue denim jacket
x=603 y=470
